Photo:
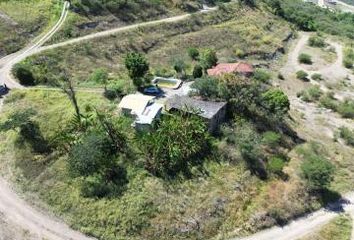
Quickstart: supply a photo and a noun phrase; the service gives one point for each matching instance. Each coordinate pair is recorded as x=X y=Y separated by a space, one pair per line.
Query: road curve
x=9 y=61
x=39 y=224
x=12 y=206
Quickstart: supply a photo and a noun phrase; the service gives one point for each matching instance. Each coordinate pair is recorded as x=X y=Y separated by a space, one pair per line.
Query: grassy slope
x=339 y=229
x=252 y=32
x=23 y=20
x=223 y=198
x=83 y=20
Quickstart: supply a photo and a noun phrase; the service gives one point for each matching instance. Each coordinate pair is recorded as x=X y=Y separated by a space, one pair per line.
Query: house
x=213 y=113
x=142 y=108
x=223 y=68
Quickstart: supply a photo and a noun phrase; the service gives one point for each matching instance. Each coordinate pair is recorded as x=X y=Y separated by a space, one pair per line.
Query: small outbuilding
x=213 y=113
x=235 y=68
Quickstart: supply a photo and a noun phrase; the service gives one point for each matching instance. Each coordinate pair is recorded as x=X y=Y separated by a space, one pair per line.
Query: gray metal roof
x=205 y=109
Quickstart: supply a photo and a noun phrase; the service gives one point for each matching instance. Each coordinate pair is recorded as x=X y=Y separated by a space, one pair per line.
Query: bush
x=305 y=58
x=316 y=77
x=347 y=135
x=99 y=76
x=328 y=101
x=180 y=141
x=206 y=87
x=316 y=41
x=24 y=75
x=302 y=75
x=271 y=139
x=275 y=165
x=197 y=71
x=312 y=94
x=317 y=171
x=261 y=75
x=193 y=53
x=276 y=101
x=281 y=76
x=348 y=60
x=346 y=109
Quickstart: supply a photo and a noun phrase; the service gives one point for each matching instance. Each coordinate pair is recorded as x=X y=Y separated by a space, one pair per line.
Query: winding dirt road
x=44 y=226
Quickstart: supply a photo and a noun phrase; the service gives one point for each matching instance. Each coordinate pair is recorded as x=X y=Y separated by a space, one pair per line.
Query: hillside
x=21 y=21
x=284 y=148
x=93 y=16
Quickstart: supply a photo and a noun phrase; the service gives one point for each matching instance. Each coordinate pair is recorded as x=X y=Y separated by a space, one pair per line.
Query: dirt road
x=9 y=61
x=39 y=224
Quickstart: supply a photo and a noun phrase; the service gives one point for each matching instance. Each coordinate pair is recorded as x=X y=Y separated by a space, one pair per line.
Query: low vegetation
x=302 y=75
x=163 y=49
x=347 y=135
x=339 y=228
x=348 y=60
x=21 y=21
x=305 y=58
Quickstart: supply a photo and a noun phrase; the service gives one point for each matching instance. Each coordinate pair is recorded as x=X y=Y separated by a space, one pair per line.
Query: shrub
x=206 y=87
x=276 y=101
x=348 y=63
x=197 y=71
x=208 y=58
x=314 y=93
x=100 y=76
x=137 y=66
x=271 y=139
x=346 y=109
x=302 y=75
x=316 y=77
x=193 y=53
x=316 y=41
x=317 y=171
x=281 y=76
x=23 y=74
x=261 y=75
x=180 y=141
x=347 y=135
x=328 y=101
x=305 y=58
x=275 y=165
x=348 y=60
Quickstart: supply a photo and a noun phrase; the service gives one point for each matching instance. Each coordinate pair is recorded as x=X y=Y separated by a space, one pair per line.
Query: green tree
x=179 y=142
x=206 y=87
x=137 y=66
x=197 y=71
x=100 y=76
x=180 y=67
x=276 y=101
x=193 y=53
x=318 y=172
x=208 y=58
x=23 y=74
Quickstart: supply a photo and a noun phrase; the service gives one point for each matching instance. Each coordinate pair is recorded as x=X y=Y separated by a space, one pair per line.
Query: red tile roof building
x=222 y=68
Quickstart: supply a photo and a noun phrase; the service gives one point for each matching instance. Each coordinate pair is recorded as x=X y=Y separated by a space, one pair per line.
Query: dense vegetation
x=310 y=18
